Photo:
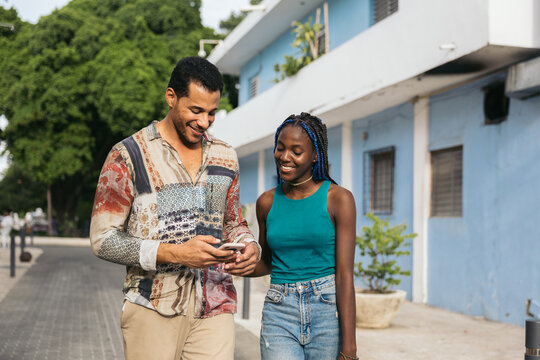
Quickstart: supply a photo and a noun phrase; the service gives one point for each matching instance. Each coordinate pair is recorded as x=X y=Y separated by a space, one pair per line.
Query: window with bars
x=384 y=8
x=321 y=41
x=379 y=182
x=253 y=86
x=447 y=182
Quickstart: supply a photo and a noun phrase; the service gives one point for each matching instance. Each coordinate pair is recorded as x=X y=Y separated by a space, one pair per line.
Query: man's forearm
x=118 y=247
x=168 y=254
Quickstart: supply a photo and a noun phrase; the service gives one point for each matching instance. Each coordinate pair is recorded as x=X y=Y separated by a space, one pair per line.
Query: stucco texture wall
x=391 y=127
x=485 y=263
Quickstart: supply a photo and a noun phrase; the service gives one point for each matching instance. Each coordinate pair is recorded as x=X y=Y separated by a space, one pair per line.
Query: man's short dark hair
x=198 y=70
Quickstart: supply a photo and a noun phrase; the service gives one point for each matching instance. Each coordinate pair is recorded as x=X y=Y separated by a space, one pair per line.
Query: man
x=6 y=226
x=167 y=196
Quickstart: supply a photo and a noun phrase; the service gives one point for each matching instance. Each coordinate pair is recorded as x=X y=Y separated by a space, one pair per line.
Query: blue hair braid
x=318 y=168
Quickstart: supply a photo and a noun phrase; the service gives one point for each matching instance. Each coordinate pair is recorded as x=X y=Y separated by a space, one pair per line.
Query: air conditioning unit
x=523 y=79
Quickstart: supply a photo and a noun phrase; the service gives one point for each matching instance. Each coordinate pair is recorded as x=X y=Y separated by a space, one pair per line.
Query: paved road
x=67 y=306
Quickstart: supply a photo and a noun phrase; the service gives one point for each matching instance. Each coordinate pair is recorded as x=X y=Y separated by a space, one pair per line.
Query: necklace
x=301 y=182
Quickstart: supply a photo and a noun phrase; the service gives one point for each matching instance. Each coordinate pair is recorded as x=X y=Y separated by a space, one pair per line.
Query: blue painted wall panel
x=334 y=153
x=392 y=127
x=346 y=18
x=248 y=178
x=486 y=263
x=262 y=65
x=270 y=174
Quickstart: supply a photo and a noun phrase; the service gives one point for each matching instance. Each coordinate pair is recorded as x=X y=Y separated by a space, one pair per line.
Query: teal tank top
x=301 y=236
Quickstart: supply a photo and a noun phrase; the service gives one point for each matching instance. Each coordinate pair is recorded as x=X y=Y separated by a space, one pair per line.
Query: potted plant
x=377 y=305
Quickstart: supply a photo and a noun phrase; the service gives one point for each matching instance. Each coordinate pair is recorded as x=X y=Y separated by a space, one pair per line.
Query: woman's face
x=294 y=154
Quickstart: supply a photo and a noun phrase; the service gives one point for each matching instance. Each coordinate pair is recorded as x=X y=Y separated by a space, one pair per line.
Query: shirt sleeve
x=112 y=205
x=235 y=227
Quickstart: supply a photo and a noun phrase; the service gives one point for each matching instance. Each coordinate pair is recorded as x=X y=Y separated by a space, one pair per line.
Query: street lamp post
x=201 y=52
x=10 y=26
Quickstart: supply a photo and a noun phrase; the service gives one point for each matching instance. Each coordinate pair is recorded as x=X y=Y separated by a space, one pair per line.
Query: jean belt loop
x=285 y=289
x=315 y=287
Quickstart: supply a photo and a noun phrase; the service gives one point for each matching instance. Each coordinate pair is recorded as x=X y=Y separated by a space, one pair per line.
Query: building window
x=379 y=181
x=447 y=182
x=321 y=42
x=384 y=8
x=253 y=86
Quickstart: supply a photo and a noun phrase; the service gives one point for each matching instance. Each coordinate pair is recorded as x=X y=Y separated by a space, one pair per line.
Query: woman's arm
x=341 y=204
x=264 y=204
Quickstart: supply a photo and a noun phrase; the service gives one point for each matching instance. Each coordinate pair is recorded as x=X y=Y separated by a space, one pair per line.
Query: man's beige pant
x=149 y=335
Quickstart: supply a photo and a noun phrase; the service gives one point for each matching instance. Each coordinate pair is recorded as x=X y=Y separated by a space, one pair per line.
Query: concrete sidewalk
x=418 y=332
x=6 y=281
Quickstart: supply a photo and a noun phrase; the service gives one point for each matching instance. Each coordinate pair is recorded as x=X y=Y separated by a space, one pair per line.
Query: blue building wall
x=270 y=172
x=248 y=178
x=485 y=263
x=262 y=65
x=346 y=18
x=334 y=153
x=391 y=127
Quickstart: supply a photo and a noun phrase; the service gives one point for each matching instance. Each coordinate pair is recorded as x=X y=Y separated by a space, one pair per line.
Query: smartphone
x=232 y=246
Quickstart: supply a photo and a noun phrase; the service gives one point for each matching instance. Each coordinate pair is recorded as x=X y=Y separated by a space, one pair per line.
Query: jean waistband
x=309 y=285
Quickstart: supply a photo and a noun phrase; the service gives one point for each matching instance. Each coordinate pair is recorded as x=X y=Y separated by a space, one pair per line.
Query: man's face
x=192 y=115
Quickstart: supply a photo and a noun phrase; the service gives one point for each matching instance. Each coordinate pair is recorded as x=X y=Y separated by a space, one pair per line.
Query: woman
x=307 y=232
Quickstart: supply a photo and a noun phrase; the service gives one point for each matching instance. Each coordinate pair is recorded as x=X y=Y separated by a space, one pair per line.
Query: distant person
x=54 y=227
x=17 y=223
x=7 y=225
x=166 y=197
x=28 y=222
x=307 y=229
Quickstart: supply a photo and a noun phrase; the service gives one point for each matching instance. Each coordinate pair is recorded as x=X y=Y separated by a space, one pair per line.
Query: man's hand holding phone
x=232 y=246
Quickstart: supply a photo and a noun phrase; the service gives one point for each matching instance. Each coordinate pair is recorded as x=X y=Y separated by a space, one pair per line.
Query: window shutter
x=383 y=9
x=382 y=182
x=253 y=86
x=447 y=182
x=379 y=181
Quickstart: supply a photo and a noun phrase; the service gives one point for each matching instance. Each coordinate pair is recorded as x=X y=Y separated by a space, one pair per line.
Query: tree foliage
x=20 y=192
x=83 y=78
x=306 y=42
x=235 y=18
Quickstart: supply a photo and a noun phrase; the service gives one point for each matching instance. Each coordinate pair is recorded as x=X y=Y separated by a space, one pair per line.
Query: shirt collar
x=154 y=134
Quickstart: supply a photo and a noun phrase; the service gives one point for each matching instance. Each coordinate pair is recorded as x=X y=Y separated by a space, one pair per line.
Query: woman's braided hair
x=316 y=131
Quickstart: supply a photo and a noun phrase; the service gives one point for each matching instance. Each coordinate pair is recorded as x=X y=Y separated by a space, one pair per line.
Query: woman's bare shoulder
x=264 y=202
x=340 y=197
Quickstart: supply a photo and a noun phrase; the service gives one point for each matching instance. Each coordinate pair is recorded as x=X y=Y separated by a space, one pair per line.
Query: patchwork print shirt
x=144 y=197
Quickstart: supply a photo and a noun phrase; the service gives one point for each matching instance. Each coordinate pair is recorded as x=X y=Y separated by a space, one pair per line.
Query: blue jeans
x=300 y=321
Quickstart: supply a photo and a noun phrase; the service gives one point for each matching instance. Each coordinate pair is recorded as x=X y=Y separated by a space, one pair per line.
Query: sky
x=212 y=12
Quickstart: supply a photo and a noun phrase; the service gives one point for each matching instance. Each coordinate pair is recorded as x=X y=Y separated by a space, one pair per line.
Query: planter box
x=375 y=311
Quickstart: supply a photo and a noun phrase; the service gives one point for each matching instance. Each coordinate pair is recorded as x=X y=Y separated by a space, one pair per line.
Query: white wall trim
x=260 y=174
x=346 y=156
x=421 y=194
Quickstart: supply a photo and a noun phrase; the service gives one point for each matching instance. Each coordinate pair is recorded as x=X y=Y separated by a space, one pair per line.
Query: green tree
x=20 y=192
x=82 y=79
x=235 y=18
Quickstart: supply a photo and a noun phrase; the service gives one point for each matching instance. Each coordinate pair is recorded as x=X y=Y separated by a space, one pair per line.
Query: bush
x=383 y=244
